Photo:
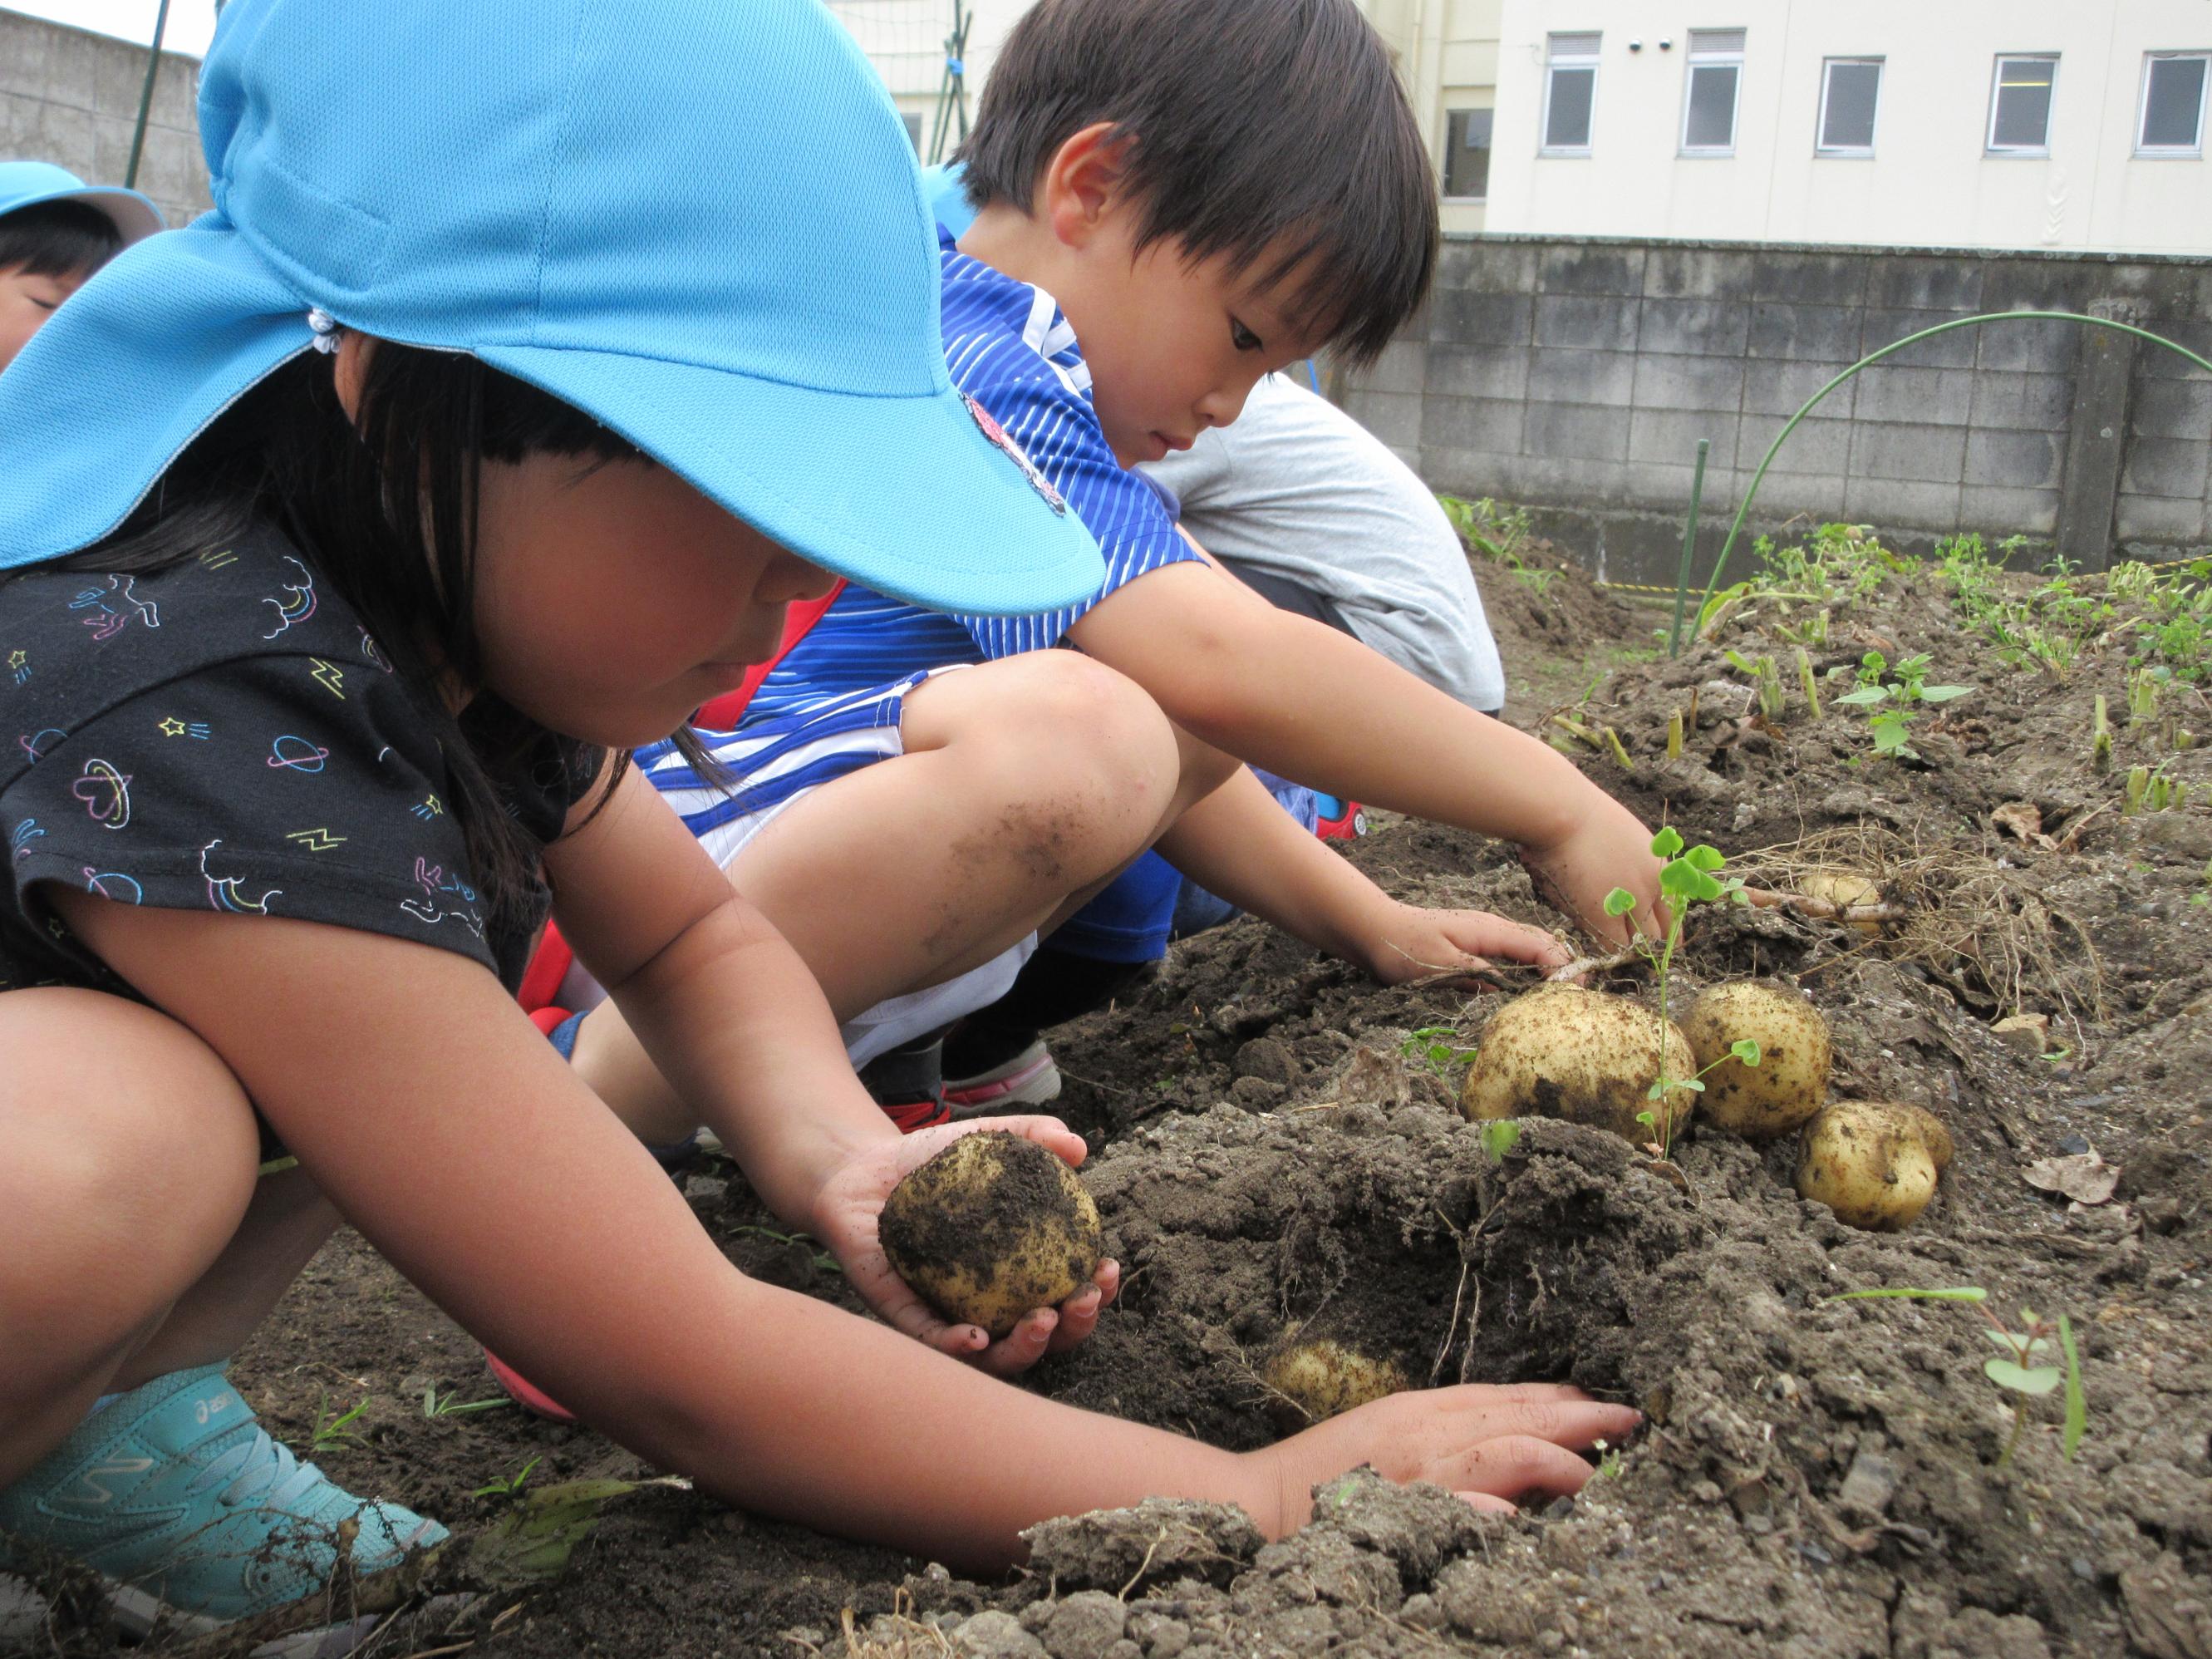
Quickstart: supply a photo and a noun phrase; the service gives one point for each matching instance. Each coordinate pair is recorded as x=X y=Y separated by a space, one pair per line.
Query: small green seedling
x=446 y=1405
x=331 y=1433
x=1500 y=1137
x=1685 y=878
x=511 y=1488
x=1608 y=1461
x=2023 y=1370
x=1892 y=704
x=1438 y=1048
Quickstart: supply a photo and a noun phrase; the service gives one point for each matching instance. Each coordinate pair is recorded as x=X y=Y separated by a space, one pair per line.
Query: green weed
x=1685 y=878
x=1893 y=703
x=332 y=1433
x=435 y=1405
x=2023 y=1370
x=1498 y=533
x=1438 y=1048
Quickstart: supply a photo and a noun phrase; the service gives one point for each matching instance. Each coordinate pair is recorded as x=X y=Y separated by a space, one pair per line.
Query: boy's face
x=26 y=303
x=1174 y=345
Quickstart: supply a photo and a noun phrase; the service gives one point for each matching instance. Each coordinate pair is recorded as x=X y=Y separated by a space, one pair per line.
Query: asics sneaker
x=191 y=1513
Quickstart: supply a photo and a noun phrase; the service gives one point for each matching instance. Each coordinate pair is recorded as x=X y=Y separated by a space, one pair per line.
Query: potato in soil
x=1312 y=1382
x=1790 y=1082
x=1560 y=1051
x=991 y=1227
x=1875 y=1165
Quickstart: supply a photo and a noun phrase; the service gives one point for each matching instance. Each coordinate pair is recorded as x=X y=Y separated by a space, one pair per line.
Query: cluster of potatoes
x=995 y=1224
x=1561 y=1051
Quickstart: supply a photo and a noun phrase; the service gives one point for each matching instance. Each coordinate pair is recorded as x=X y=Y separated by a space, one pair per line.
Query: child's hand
x=850 y=1205
x=1607 y=848
x=1489 y=1444
x=1409 y=943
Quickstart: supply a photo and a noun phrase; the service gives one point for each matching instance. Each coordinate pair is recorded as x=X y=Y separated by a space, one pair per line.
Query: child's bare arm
x=1240 y=844
x=444 y=1128
x=728 y=1012
x=1297 y=698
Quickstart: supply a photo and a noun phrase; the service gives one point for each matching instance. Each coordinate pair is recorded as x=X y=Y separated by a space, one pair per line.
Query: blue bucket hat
x=698 y=220
x=31 y=184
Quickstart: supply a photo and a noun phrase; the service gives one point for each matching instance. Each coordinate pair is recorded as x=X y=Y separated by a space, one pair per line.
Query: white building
x=1447 y=51
x=2030 y=124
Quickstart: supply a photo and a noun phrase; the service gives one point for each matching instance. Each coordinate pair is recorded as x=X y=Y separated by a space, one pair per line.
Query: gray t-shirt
x=1298 y=488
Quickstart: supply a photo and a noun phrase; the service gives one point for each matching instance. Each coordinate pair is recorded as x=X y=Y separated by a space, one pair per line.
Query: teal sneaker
x=190 y=1513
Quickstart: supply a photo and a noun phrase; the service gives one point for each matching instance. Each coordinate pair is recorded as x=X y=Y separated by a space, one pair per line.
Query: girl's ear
x=1083 y=184
x=349 y=371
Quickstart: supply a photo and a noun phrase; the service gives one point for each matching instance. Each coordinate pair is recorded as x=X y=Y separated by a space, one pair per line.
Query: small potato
x=1872 y=1163
x=1561 y=1051
x=1790 y=1082
x=991 y=1227
x=1317 y=1380
x=1844 y=889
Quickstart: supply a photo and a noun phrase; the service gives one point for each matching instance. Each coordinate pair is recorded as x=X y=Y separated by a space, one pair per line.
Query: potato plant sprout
x=1685 y=878
x=2022 y=1369
x=1893 y=703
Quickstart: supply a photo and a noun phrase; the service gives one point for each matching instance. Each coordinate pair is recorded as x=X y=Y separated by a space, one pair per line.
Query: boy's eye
x=1242 y=338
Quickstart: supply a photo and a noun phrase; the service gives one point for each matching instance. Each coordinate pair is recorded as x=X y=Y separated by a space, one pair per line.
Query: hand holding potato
x=846 y=1218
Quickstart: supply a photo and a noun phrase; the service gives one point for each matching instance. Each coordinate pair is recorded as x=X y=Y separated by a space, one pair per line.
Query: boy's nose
x=1222 y=405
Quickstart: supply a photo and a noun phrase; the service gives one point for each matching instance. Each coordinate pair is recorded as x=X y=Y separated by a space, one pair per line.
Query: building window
x=1716 y=76
x=1467 y=153
x=1850 y=91
x=2020 y=105
x=2173 y=121
x=1570 y=93
x=913 y=129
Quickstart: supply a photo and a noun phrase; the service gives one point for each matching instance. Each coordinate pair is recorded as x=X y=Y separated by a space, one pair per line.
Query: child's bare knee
x=1079 y=712
x=152 y=1146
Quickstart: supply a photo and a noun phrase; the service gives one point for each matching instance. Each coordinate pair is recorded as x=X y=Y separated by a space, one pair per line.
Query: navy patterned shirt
x=223 y=734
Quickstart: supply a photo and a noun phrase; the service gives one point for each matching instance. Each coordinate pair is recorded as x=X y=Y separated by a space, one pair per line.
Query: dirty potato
x=1560 y=1051
x=1790 y=1082
x=1874 y=1163
x=991 y=1227
x=1311 y=1380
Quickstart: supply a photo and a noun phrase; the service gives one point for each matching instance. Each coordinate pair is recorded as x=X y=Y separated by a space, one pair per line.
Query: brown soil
x=1817 y=1479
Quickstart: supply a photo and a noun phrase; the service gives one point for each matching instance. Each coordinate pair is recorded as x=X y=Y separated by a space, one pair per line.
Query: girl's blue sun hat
x=31 y=184
x=698 y=220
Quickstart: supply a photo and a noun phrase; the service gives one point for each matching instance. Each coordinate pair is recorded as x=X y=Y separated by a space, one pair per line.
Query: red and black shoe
x=909 y=1084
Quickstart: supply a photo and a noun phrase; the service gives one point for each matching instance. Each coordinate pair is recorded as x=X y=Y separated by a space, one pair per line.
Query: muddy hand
x=1417 y=944
x=1606 y=849
x=1491 y=1445
x=849 y=1210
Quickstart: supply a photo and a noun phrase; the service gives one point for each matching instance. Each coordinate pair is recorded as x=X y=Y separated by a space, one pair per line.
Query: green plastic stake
x=1689 y=548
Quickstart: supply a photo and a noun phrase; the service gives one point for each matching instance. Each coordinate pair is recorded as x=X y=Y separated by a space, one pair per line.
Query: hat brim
x=133 y=214
x=904 y=494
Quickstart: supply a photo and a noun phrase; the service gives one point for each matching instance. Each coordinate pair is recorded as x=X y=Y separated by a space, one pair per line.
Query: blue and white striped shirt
x=1009 y=348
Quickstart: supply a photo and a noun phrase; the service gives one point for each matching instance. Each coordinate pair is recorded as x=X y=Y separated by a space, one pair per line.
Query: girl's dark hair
x=58 y=238
x=386 y=510
x=1269 y=129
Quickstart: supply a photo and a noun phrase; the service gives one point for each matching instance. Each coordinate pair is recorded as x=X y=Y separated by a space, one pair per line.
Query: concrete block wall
x=71 y=98
x=1577 y=376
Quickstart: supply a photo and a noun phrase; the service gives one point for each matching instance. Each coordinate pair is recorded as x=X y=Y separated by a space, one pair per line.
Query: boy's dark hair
x=385 y=509
x=58 y=238
x=1258 y=129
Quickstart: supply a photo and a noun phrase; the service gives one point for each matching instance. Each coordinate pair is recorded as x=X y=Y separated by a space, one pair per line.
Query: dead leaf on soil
x=2082 y=1176
x=2023 y=818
